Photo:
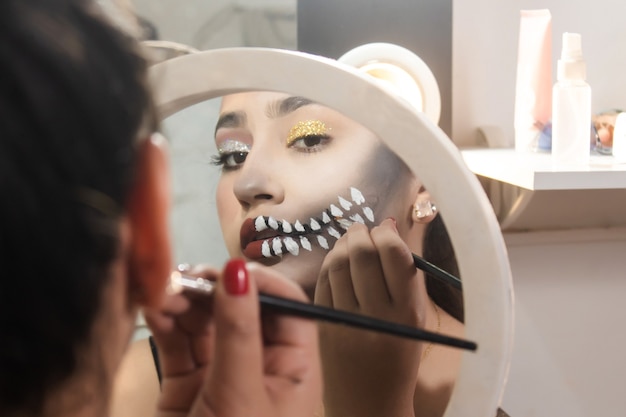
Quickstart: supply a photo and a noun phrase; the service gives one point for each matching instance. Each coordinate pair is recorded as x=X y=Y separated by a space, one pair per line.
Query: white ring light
x=404 y=70
x=473 y=228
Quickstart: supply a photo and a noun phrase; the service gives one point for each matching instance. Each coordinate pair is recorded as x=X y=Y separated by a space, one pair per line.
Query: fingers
x=283 y=329
x=335 y=279
x=238 y=369
x=401 y=275
x=181 y=329
x=368 y=279
x=246 y=353
x=369 y=271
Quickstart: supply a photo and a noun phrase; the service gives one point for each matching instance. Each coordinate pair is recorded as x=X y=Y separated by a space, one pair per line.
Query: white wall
x=570 y=312
x=485 y=38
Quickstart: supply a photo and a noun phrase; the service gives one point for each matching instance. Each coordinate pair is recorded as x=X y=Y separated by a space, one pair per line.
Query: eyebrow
x=274 y=110
x=231 y=119
x=280 y=108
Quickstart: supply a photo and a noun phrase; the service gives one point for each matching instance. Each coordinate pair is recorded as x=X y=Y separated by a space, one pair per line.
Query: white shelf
x=536 y=172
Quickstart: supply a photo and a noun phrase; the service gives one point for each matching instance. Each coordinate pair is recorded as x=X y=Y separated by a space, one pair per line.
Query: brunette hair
x=438 y=250
x=72 y=100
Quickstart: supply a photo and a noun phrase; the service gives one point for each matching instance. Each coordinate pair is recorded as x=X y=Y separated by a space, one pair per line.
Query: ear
x=150 y=256
x=424 y=209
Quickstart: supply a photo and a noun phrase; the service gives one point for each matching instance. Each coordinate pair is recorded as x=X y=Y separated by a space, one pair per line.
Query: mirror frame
x=471 y=222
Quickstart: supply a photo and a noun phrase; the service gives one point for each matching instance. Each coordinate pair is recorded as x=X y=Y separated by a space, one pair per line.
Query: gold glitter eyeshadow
x=306 y=128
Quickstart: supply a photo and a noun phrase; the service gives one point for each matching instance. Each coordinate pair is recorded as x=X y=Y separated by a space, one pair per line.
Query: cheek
x=227 y=210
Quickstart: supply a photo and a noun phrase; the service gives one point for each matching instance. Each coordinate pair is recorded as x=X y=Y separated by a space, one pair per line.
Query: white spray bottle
x=571 y=106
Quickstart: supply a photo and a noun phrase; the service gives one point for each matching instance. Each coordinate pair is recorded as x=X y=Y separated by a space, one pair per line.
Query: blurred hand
x=368 y=373
x=220 y=358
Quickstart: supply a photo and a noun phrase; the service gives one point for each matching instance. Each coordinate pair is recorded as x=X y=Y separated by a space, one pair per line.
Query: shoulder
x=136 y=388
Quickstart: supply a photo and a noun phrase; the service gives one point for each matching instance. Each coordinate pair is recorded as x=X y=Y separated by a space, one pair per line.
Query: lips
x=252 y=241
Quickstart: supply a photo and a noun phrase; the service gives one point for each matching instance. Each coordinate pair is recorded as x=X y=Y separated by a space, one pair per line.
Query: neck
x=85 y=395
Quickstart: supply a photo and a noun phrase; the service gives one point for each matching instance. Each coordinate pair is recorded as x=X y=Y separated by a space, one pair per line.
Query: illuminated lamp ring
x=406 y=60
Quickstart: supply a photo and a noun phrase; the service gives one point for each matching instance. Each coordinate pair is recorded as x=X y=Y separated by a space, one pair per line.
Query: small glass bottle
x=571 y=106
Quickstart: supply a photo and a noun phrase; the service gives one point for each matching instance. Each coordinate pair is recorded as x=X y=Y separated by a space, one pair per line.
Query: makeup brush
x=180 y=282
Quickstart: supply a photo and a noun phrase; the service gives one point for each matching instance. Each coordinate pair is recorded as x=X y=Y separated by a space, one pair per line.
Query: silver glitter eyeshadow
x=231 y=146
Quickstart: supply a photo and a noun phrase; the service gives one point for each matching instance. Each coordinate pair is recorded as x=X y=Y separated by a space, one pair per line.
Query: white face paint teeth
x=315 y=226
x=332 y=223
x=259 y=224
x=369 y=214
x=357 y=218
x=357 y=196
x=272 y=223
x=286 y=226
x=334 y=232
x=265 y=249
x=277 y=246
x=291 y=246
x=323 y=242
x=335 y=211
x=298 y=226
x=344 y=223
x=345 y=204
x=304 y=242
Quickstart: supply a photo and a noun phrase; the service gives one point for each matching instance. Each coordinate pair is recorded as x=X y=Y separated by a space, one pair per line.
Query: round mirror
x=418 y=143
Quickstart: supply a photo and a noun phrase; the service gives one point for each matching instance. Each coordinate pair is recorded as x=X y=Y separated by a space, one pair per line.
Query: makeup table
x=529 y=193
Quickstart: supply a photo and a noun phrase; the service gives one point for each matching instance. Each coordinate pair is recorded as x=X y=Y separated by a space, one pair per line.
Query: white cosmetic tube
x=533 y=89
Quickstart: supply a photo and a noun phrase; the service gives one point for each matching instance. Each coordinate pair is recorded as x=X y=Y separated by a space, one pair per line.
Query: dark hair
x=72 y=100
x=438 y=250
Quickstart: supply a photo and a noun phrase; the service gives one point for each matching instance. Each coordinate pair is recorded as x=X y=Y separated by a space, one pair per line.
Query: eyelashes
x=232 y=154
x=309 y=143
x=229 y=161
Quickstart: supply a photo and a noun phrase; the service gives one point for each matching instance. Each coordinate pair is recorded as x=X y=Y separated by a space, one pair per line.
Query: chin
x=302 y=269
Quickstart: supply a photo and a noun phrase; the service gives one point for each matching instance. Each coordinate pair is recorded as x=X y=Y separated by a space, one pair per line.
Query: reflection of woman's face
x=295 y=162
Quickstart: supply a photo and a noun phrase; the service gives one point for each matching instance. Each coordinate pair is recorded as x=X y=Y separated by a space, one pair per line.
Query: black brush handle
x=437 y=272
x=312 y=311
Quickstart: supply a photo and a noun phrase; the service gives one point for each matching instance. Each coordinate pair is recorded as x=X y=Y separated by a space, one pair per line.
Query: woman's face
x=295 y=174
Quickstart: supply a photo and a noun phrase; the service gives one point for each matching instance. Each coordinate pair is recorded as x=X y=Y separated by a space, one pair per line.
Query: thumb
x=236 y=377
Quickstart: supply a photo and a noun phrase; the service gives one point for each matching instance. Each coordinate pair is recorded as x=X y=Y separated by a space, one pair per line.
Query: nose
x=258 y=182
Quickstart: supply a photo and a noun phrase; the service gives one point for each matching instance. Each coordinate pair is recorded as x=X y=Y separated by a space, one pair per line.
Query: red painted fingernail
x=393 y=223
x=236 y=277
